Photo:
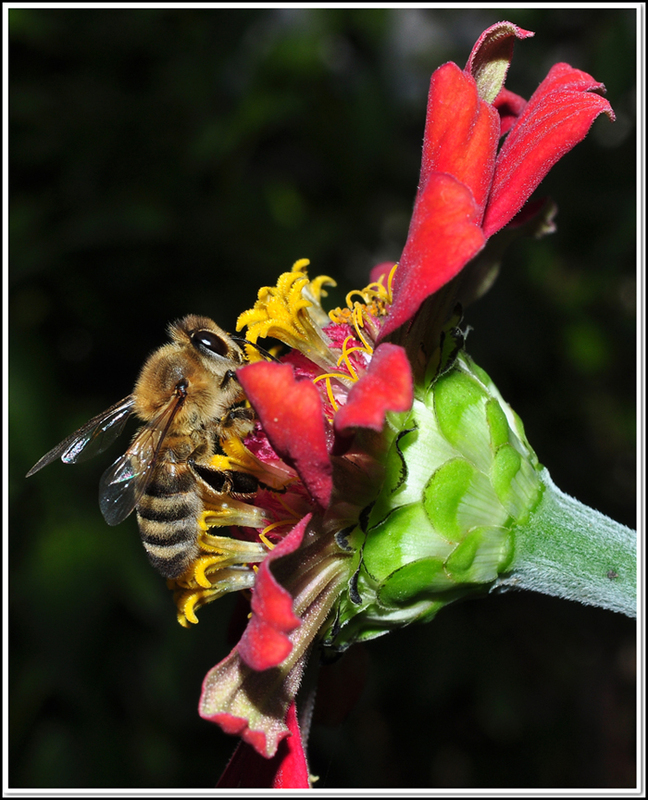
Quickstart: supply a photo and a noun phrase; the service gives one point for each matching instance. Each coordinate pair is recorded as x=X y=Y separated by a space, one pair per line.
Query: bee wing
x=92 y=438
x=124 y=482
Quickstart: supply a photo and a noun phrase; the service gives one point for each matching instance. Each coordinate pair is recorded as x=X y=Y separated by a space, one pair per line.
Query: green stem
x=568 y=550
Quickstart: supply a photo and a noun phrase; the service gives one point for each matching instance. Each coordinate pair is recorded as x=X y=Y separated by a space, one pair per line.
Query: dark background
x=172 y=161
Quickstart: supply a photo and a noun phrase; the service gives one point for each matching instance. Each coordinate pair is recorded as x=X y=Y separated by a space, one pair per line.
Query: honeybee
x=189 y=399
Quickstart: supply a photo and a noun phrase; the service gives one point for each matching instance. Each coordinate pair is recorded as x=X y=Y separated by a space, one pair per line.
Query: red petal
x=557 y=117
x=293 y=769
x=250 y=704
x=444 y=235
x=292 y=417
x=286 y=770
x=509 y=106
x=386 y=386
x=265 y=641
x=461 y=133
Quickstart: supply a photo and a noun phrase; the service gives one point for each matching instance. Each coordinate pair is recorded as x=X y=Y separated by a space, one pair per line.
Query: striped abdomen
x=167 y=515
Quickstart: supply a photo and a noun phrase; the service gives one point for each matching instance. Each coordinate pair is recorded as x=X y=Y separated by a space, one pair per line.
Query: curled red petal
x=291 y=414
x=444 y=235
x=265 y=641
x=557 y=117
x=491 y=56
x=287 y=769
x=386 y=386
x=461 y=133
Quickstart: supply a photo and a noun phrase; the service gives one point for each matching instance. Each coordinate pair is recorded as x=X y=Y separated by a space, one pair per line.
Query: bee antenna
x=263 y=351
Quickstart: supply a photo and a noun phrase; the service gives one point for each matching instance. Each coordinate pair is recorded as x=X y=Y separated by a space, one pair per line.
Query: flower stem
x=569 y=550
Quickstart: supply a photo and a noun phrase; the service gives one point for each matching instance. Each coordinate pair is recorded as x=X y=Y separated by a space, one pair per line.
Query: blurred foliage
x=167 y=161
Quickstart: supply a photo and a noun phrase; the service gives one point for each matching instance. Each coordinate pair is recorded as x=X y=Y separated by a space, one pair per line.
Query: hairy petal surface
x=557 y=117
x=444 y=235
x=291 y=413
x=461 y=134
x=265 y=641
x=250 y=704
x=287 y=769
x=386 y=386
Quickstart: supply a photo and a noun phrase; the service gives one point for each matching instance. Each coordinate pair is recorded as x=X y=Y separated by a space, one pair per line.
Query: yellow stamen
x=329 y=392
x=190 y=598
x=271 y=527
x=291 y=312
x=358 y=322
x=265 y=539
x=232 y=512
x=344 y=379
x=346 y=352
x=239 y=459
x=390 y=280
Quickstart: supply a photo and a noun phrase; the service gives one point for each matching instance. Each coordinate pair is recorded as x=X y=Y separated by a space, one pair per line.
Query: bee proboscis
x=189 y=399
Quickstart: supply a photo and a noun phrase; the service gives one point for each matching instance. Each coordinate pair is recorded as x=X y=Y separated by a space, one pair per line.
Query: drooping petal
x=290 y=411
x=461 y=134
x=265 y=641
x=444 y=235
x=491 y=56
x=386 y=386
x=557 y=117
x=287 y=769
x=251 y=704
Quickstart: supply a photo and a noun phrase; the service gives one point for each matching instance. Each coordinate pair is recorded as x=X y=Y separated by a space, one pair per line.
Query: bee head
x=192 y=369
x=207 y=339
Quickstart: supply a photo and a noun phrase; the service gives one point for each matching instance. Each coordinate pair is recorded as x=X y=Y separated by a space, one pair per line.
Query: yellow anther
x=265 y=539
x=329 y=392
x=291 y=312
x=271 y=527
x=390 y=280
x=186 y=611
x=300 y=265
x=317 y=286
x=358 y=322
x=345 y=357
x=352 y=293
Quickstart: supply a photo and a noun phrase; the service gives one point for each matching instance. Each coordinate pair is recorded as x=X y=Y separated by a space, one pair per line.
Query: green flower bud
x=460 y=476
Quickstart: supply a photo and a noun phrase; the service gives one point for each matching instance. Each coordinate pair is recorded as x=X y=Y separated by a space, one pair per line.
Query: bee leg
x=230 y=375
x=238 y=420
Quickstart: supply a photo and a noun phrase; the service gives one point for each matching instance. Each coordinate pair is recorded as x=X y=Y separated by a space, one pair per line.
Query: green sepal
x=458 y=475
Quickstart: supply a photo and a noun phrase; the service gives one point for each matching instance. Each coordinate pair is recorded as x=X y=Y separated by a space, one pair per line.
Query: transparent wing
x=92 y=438
x=124 y=482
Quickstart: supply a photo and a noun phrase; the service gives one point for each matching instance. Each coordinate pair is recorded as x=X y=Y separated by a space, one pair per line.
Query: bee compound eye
x=208 y=340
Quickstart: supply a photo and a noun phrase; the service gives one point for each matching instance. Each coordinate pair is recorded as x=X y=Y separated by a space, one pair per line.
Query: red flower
x=322 y=414
x=468 y=190
x=287 y=769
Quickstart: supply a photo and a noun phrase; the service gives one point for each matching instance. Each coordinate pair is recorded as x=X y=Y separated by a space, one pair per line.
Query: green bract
x=460 y=476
